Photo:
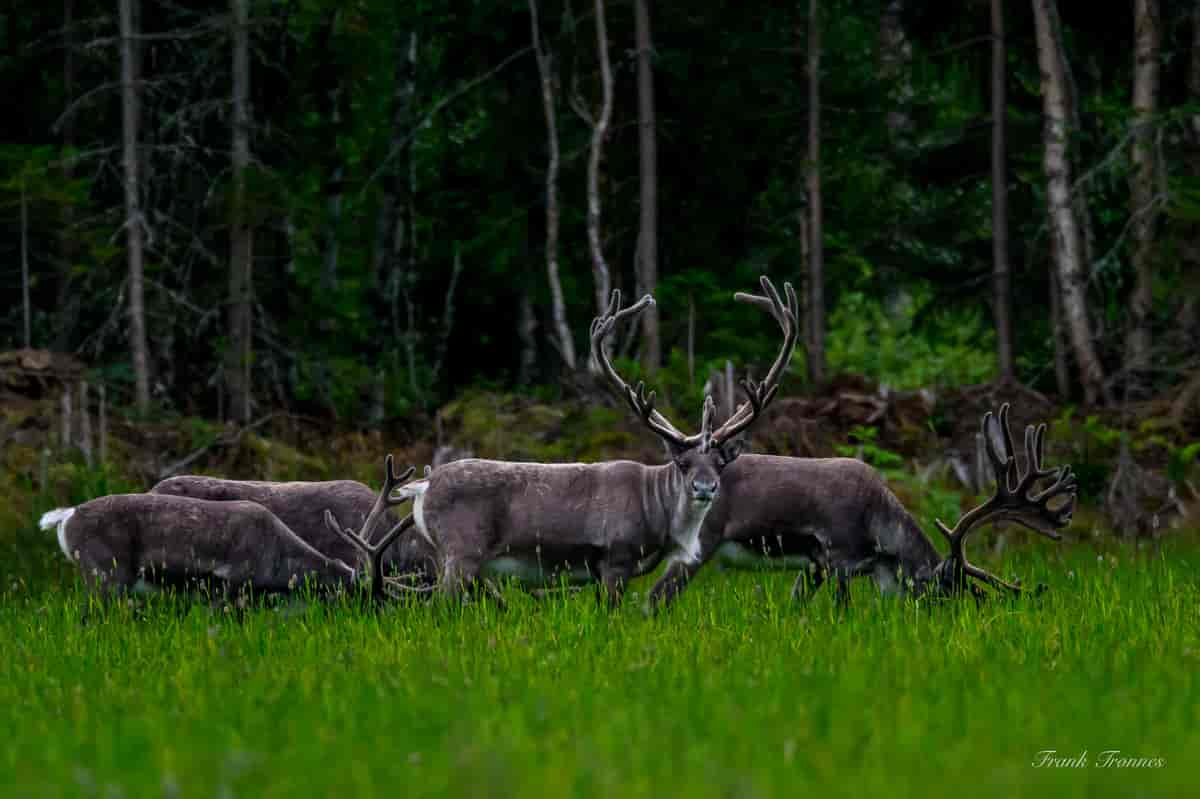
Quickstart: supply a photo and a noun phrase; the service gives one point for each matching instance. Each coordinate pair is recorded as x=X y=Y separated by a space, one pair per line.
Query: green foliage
x=863 y=446
x=888 y=344
x=1182 y=459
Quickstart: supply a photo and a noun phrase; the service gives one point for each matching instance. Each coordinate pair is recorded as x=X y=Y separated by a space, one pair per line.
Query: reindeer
x=166 y=540
x=840 y=515
x=301 y=505
x=591 y=522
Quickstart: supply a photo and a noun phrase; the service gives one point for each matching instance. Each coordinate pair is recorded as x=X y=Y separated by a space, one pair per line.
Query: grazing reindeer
x=162 y=539
x=588 y=522
x=840 y=515
x=301 y=505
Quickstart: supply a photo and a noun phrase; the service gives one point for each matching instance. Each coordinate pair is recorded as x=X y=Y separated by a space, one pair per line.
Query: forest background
x=274 y=239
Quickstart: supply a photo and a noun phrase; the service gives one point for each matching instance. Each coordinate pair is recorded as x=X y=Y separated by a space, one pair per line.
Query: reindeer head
x=700 y=458
x=1016 y=499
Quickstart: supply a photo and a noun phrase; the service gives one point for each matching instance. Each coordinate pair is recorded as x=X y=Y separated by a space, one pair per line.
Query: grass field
x=733 y=692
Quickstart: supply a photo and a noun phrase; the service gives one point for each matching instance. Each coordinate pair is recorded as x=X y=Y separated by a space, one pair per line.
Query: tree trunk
x=648 y=235
x=600 y=271
x=67 y=306
x=1072 y=272
x=1194 y=71
x=333 y=220
x=816 y=249
x=27 y=316
x=404 y=244
x=241 y=240
x=1062 y=370
x=130 y=113
x=1001 y=277
x=560 y=335
x=526 y=328
x=1143 y=184
x=895 y=55
x=1074 y=124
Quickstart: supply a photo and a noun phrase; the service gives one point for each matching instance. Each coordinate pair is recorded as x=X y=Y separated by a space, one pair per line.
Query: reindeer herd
x=475 y=521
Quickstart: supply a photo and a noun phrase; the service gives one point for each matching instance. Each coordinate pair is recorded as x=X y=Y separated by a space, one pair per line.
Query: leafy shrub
x=896 y=347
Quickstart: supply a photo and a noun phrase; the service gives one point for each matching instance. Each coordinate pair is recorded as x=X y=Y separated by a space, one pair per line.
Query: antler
x=641 y=401
x=1015 y=498
x=373 y=553
x=759 y=395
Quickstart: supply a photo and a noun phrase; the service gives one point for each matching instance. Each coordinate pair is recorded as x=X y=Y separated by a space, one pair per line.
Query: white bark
x=600 y=271
x=560 y=330
x=1072 y=271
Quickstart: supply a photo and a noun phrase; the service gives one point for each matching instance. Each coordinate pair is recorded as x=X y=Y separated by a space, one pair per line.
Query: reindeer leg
x=676 y=578
x=458 y=577
x=842 y=592
x=808 y=582
x=492 y=590
x=613 y=577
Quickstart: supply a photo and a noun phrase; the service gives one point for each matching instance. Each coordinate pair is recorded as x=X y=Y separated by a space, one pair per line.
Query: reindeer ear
x=731 y=449
x=674 y=450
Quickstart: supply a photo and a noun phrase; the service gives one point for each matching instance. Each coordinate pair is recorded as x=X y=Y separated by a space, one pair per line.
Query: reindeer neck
x=671 y=512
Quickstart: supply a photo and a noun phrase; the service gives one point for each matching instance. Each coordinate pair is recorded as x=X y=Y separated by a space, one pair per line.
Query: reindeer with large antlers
x=840 y=515
x=301 y=507
x=590 y=522
x=165 y=540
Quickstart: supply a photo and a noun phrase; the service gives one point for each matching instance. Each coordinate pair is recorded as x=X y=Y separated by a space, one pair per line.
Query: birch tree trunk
x=241 y=240
x=560 y=335
x=1062 y=369
x=600 y=271
x=1001 y=276
x=1072 y=273
x=1143 y=184
x=134 y=230
x=648 y=152
x=816 y=249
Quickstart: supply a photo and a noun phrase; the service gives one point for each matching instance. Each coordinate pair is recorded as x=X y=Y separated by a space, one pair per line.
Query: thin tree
x=1143 y=182
x=134 y=230
x=1069 y=252
x=1001 y=276
x=816 y=250
x=895 y=56
x=241 y=239
x=560 y=331
x=599 y=124
x=648 y=175
x=27 y=310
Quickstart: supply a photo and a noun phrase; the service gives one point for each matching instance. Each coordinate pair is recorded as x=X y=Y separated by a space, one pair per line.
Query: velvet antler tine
x=639 y=401
x=1013 y=499
x=759 y=395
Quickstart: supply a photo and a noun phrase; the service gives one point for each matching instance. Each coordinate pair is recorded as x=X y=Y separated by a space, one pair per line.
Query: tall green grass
x=732 y=692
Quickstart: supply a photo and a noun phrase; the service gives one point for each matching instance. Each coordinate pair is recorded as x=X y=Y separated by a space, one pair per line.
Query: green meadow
x=733 y=692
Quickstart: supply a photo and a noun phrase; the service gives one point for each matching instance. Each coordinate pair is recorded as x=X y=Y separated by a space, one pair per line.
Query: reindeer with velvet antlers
x=840 y=515
x=162 y=540
x=591 y=522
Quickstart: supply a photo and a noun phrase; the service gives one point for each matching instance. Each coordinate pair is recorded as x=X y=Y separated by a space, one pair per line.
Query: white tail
x=59 y=518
